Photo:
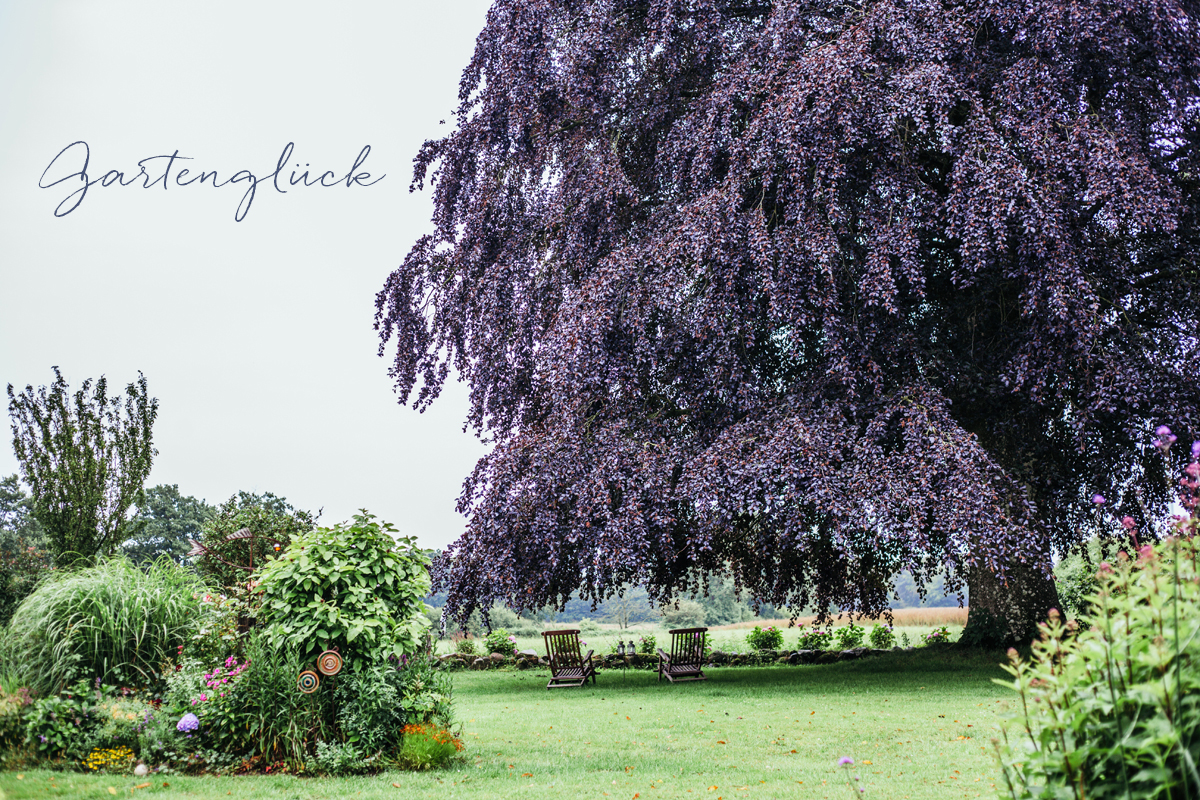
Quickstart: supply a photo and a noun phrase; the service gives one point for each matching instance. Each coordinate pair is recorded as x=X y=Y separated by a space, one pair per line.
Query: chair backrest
x=687 y=645
x=562 y=648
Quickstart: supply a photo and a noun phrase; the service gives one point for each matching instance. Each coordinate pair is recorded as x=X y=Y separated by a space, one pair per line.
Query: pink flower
x=1098 y=499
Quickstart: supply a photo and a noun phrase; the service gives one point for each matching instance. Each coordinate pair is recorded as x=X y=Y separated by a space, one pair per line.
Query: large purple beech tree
x=807 y=293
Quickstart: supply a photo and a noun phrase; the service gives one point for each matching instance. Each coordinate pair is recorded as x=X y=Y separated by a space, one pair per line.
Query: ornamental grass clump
x=1113 y=710
x=113 y=621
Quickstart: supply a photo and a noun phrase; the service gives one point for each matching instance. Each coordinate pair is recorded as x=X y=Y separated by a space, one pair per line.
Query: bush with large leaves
x=355 y=586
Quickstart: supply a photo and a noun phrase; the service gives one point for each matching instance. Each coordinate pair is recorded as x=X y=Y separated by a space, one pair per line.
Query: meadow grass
x=917 y=724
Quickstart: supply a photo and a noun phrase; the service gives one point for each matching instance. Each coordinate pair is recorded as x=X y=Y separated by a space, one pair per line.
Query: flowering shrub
x=647 y=644
x=427 y=746
x=815 y=639
x=937 y=636
x=768 y=638
x=882 y=637
x=500 y=641
x=1110 y=711
x=850 y=636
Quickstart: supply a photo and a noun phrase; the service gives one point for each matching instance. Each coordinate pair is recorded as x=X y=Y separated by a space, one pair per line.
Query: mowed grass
x=917 y=724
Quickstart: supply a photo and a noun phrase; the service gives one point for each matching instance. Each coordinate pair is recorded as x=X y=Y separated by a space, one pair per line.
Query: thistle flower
x=1098 y=499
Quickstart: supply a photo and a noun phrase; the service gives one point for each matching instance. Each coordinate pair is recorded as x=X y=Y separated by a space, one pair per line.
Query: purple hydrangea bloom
x=189 y=722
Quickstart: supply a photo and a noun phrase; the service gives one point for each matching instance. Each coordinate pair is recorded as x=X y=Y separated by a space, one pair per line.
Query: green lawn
x=918 y=725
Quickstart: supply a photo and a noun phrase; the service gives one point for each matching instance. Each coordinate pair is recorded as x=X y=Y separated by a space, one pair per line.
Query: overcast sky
x=255 y=336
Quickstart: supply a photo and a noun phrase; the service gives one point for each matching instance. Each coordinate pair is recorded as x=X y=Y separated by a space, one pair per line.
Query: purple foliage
x=806 y=292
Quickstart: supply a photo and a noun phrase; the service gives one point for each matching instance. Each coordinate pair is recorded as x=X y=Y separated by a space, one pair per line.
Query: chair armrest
x=663 y=656
x=588 y=658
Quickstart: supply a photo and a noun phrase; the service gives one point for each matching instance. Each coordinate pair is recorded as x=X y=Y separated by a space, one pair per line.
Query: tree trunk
x=1006 y=613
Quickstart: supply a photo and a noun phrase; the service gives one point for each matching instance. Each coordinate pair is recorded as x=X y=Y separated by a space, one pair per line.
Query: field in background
x=901 y=617
x=917 y=725
x=909 y=625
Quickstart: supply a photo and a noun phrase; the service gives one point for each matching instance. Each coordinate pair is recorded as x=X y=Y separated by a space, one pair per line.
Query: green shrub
x=500 y=641
x=850 y=636
x=1113 y=710
x=1075 y=579
x=112 y=621
x=465 y=646
x=352 y=586
x=588 y=627
x=882 y=637
x=647 y=644
x=937 y=636
x=815 y=639
x=768 y=638
x=59 y=726
x=267 y=517
x=426 y=695
x=369 y=711
x=336 y=759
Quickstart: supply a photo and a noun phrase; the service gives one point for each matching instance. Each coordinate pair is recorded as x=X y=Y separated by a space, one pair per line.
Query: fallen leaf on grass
x=866 y=761
x=395 y=784
x=112 y=790
x=142 y=786
x=526 y=774
x=720 y=741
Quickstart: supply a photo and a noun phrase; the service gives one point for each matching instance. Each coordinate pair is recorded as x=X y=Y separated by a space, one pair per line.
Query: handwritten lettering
x=77 y=156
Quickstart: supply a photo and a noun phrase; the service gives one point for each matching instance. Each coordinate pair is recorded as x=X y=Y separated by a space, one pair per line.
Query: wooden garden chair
x=567 y=666
x=686 y=658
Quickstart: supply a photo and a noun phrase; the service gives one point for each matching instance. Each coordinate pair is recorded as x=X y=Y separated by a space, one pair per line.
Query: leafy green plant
x=647 y=644
x=60 y=725
x=937 y=636
x=465 y=646
x=355 y=586
x=768 y=638
x=500 y=641
x=427 y=746
x=426 y=695
x=815 y=639
x=369 y=707
x=338 y=759
x=112 y=621
x=850 y=636
x=882 y=637
x=1113 y=710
